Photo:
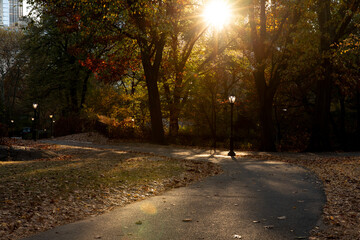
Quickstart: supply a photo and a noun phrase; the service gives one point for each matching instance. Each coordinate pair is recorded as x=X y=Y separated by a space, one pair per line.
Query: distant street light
x=11 y=127
x=51 y=125
x=231 y=101
x=35 y=105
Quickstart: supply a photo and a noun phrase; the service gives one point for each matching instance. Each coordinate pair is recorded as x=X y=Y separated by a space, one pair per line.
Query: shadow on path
x=253 y=199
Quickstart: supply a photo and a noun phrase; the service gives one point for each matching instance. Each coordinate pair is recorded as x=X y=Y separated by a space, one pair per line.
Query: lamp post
x=231 y=101
x=51 y=125
x=35 y=105
x=11 y=128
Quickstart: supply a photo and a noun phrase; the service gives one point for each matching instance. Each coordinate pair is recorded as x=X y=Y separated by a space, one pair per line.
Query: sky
x=25 y=8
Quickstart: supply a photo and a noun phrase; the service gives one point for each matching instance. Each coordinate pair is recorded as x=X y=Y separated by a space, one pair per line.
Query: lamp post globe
x=231 y=101
x=11 y=127
x=51 y=125
x=35 y=105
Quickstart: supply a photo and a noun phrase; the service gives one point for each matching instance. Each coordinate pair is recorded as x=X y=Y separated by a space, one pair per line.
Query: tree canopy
x=161 y=68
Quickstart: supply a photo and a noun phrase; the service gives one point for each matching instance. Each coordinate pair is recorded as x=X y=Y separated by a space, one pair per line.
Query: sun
x=217 y=14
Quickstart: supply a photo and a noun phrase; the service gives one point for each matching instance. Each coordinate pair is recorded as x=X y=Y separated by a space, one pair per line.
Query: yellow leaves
x=350 y=45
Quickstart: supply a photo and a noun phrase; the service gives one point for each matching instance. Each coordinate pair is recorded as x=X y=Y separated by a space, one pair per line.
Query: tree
x=176 y=69
x=151 y=39
x=60 y=48
x=334 y=21
x=270 y=27
x=11 y=71
x=143 y=23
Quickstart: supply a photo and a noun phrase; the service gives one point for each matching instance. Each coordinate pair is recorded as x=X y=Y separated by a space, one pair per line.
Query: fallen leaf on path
x=340 y=178
x=82 y=186
x=187 y=220
x=269 y=227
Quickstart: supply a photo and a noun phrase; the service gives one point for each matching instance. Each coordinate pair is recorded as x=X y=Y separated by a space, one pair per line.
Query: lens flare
x=217 y=14
x=148 y=208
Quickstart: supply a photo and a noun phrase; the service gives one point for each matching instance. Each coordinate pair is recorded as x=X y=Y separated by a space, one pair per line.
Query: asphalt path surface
x=252 y=199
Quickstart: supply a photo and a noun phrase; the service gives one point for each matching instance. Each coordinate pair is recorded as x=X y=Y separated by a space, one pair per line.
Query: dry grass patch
x=40 y=194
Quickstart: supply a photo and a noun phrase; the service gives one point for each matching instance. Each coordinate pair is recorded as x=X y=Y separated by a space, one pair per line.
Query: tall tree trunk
x=157 y=128
x=84 y=89
x=213 y=118
x=73 y=86
x=180 y=55
x=267 y=139
x=151 y=42
x=266 y=98
x=330 y=32
x=175 y=106
x=319 y=140
x=174 y=120
x=152 y=75
x=343 y=135
x=266 y=91
x=357 y=132
x=2 y=100
x=74 y=103
x=358 y=109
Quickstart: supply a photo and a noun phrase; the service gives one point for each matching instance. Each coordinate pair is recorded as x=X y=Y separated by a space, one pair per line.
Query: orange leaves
x=111 y=68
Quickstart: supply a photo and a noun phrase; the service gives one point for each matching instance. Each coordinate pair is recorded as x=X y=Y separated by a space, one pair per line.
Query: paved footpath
x=252 y=199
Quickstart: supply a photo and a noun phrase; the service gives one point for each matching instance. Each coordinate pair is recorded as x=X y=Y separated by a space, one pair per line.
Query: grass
x=72 y=174
x=40 y=194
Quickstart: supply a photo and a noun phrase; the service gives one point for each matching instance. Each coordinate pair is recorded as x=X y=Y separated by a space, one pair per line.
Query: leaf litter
x=37 y=195
x=340 y=175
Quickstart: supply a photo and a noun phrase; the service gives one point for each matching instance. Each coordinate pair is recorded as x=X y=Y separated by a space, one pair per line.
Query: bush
x=72 y=124
x=3 y=130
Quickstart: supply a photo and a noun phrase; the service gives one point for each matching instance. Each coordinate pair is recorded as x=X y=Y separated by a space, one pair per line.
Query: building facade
x=15 y=11
x=11 y=12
